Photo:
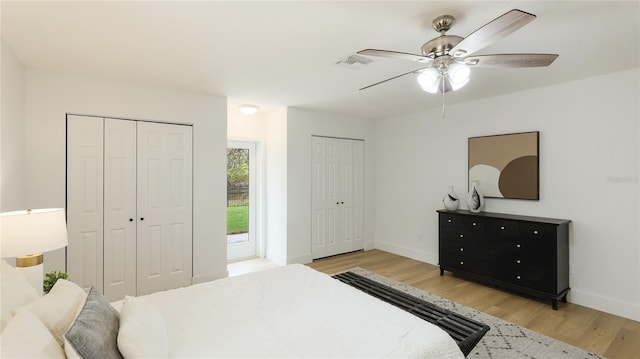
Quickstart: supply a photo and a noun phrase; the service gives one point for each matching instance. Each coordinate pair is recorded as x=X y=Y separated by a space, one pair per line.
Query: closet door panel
x=357 y=196
x=318 y=198
x=180 y=226
x=164 y=206
x=84 y=200
x=332 y=190
x=345 y=195
x=325 y=202
x=152 y=205
x=119 y=208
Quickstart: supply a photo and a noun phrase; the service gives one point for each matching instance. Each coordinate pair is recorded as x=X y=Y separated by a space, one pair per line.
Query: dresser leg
x=554 y=303
x=441 y=271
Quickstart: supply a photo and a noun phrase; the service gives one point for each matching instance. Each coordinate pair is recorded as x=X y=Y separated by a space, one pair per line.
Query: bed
x=291 y=311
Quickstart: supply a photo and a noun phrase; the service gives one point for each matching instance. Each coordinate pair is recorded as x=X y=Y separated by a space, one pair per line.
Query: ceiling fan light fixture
x=446 y=55
x=459 y=72
x=429 y=80
x=458 y=75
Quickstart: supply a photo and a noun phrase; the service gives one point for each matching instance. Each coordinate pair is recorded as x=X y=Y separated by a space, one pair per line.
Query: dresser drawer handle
x=461 y=249
x=518 y=277
x=502 y=227
x=461 y=263
x=462 y=236
x=448 y=220
x=517 y=246
x=518 y=261
x=535 y=232
x=474 y=223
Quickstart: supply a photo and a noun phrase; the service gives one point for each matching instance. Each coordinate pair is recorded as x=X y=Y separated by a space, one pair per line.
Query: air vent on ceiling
x=354 y=62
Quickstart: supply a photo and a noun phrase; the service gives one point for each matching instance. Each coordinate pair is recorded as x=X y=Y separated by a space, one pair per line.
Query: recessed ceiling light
x=248 y=110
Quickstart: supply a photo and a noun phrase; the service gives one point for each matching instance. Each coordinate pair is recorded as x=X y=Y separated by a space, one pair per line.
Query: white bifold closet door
x=164 y=207
x=120 y=226
x=337 y=185
x=129 y=200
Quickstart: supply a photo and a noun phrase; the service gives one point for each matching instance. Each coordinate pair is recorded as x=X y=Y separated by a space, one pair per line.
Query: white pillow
x=16 y=291
x=57 y=310
x=26 y=337
x=143 y=332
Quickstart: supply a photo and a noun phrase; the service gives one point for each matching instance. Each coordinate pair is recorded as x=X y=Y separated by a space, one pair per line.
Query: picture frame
x=506 y=165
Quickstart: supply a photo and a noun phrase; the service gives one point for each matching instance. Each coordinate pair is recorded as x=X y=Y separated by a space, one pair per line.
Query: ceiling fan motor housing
x=440 y=46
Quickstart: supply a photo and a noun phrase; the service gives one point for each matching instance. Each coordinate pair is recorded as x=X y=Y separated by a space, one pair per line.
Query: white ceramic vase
x=450 y=200
x=475 y=199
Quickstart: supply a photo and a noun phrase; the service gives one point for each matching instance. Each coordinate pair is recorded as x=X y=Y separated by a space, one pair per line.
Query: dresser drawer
x=533 y=275
x=462 y=222
x=468 y=250
x=537 y=231
x=463 y=235
x=465 y=262
x=504 y=228
x=521 y=246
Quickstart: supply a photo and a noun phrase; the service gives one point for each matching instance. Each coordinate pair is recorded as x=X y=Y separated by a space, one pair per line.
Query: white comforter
x=292 y=311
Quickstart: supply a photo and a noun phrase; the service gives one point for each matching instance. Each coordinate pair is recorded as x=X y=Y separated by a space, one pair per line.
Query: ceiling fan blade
x=395 y=77
x=511 y=60
x=396 y=55
x=492 y=32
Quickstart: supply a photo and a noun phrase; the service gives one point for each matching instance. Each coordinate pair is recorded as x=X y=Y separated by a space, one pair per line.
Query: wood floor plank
x=604 y=334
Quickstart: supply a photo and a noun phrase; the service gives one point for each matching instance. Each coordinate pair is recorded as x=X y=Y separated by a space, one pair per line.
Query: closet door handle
x=130 y=219
x=142 y=218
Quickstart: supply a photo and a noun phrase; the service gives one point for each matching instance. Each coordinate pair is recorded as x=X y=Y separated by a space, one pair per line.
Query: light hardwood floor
x=604 y=334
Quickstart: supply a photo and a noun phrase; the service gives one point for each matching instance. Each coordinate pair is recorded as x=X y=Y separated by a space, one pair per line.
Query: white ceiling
x=284 y=53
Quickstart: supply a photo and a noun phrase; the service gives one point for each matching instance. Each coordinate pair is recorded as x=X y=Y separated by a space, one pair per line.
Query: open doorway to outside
x=241 y=200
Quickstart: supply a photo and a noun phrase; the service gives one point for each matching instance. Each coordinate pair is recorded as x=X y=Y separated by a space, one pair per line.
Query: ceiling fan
x=448 y=58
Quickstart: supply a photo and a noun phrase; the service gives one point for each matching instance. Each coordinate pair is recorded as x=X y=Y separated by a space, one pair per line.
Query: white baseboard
x=276 y=258
x=605 y=304
x=209 y=277
x=423 y=256
x=304 y=259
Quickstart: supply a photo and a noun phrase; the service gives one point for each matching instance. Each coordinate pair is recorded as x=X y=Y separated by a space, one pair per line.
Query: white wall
x=301 y=125
x=276 y=186
x=12 y=132
x=589 y=154
x=50 y=96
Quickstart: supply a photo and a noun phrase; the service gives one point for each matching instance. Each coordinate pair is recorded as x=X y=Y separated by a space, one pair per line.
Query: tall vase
x=450 y=200
x=475 y=199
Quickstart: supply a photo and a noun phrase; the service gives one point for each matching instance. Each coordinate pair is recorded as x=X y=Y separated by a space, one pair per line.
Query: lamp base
x=32 y=268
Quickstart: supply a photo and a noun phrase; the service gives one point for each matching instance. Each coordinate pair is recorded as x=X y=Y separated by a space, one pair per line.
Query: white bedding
x=292 y=311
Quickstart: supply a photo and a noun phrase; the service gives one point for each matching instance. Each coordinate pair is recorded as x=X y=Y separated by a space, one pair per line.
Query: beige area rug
x=503 y=340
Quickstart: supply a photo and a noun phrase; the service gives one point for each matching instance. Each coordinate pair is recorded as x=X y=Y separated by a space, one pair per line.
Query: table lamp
x=27 y=234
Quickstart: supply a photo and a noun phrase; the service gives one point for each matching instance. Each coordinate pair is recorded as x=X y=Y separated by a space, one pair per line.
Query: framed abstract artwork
x=506 y=166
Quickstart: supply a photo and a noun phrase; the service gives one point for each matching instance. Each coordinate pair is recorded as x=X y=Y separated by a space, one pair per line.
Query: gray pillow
x=94 y=333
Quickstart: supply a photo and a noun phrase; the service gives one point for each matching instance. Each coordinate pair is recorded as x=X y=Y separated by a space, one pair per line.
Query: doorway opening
x=241 y=200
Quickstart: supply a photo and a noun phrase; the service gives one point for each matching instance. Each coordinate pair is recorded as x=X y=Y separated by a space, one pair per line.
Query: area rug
x=504 y=339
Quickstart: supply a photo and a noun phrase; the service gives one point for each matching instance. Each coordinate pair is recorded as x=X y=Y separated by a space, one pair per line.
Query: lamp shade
x=429 y=80
x=32 y=231
x=458 y=75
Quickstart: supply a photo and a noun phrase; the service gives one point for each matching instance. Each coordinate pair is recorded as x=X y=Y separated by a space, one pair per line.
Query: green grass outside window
x=237 y=219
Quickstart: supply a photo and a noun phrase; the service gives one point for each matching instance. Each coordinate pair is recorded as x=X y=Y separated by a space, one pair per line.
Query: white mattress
x=292 y=311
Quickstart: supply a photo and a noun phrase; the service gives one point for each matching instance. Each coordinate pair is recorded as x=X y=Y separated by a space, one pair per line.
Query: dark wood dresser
x=524 y=254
